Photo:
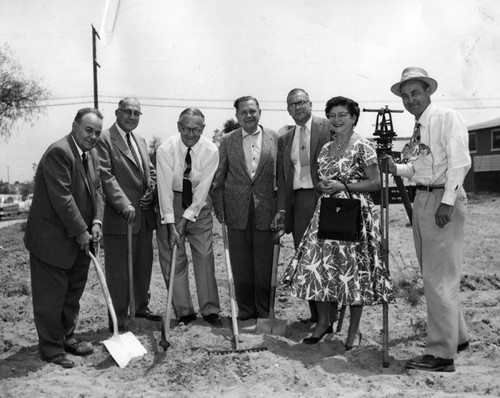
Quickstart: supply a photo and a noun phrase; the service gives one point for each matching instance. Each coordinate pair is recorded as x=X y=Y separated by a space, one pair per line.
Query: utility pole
x=8 y=175
x=95 y=64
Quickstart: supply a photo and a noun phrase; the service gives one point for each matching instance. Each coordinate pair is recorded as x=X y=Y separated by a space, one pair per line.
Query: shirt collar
x=245 y=134
x=424 y=117
x=77 y=147
x=308 y=124
x=121 y=131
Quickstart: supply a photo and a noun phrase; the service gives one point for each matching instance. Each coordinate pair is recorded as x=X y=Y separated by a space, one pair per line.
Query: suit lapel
x=265 y=151
x=79 y=162
x=237 y=149
x=287 y=155
x=316 y=127
x=120 y=143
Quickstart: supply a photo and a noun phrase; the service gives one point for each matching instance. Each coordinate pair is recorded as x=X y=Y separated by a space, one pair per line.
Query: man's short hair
x=192 y=112
x=244 y=99
x=82 y=112
x=296 y=91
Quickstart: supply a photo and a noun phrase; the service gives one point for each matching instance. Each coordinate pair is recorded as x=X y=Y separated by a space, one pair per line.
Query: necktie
x=136 y=158
x=416 y=133
x=187 y=188
x=85 y=164
x=303 y=153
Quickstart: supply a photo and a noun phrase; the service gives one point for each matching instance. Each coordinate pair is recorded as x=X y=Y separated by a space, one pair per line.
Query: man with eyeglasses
x=299 y=145
x=244 y=199
x=438 y=160
x=186 y=165
x=129 y=183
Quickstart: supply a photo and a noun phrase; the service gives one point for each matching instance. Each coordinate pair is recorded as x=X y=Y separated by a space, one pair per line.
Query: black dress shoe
x=246 y=317
x=61 y=360
x=213 y=319
x=431 y=363
x=462 y=347
x=316 y=340
x=187 y=319
x=149 y=316
x=79 y=348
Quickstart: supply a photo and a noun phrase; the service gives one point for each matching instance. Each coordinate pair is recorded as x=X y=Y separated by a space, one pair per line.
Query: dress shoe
x=187 y=319
x=350 y=347
x=308 y=320
x=316 y=340
x=79 y=348
x=246 y=317
x=213 y=319
x=61 y=360
x=431 y=363
x=149 y=316
x=463 y=346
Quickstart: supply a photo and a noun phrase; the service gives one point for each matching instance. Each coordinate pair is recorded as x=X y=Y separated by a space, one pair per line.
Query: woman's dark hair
x=352 y=106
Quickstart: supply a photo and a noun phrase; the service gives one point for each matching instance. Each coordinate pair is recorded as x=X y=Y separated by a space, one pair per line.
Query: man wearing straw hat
x=437 y=160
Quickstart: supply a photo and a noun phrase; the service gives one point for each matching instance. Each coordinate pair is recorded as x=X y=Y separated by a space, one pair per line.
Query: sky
x=206 y=53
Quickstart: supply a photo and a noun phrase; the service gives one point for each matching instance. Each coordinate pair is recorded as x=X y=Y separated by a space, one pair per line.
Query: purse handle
x=346 y=188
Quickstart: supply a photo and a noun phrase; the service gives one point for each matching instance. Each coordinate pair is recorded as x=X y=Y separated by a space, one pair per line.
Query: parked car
x=9 y=206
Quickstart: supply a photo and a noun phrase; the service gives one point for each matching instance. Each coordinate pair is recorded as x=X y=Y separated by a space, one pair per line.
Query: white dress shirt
x=298 y=183
x=252 y=146
x=170 y=164
x=444 y=131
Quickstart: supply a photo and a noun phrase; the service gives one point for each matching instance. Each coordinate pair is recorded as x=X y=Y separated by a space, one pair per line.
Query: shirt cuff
x=97 y=221
x=449 y=198
x=189 y=214
x=168 y=219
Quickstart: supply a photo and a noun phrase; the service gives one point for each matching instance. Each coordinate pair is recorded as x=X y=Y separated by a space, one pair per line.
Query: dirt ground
x=288 y=368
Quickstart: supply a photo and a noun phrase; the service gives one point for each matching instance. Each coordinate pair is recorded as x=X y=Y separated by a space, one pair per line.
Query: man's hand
x=148 y=200
x=278 y=222
x=128 y=214
x=83 y=241
x=220 y=217
x=391 y=165
x=173 y=236
x=443 y=215
x=96 y=233
x=181 y=227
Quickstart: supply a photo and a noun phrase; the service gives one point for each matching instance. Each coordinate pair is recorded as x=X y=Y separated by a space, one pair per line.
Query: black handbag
x=340 y=219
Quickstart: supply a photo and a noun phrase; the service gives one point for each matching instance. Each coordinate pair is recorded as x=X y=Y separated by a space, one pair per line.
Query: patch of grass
x=408 y=283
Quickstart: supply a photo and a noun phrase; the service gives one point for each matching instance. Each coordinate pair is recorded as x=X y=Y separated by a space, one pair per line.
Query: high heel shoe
x=316 y=340
x=350 y=347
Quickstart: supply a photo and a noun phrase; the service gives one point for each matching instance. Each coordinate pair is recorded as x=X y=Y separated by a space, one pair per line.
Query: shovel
x=165 y=326
x=232 y=296
x=121 y=347
x=272 y=325
x=130 y=268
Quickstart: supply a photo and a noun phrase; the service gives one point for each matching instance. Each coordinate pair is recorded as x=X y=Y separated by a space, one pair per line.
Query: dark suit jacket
x=65 y=203
x=320 y=135
x=121 y=181
x=233 y=186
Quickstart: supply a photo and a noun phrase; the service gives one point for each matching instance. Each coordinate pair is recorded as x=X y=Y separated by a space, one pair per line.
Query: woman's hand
x=331 y=186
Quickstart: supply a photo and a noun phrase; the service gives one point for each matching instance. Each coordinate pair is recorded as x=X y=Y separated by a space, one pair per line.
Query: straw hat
x=414 y=73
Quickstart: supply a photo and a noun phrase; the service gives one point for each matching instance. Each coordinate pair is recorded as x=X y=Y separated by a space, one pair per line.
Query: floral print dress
x=350 y=273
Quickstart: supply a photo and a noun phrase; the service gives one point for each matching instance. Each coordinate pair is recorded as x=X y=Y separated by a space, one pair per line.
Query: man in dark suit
x=244 y=198
x=297 y=177
x=129 y=183
x=65 y=216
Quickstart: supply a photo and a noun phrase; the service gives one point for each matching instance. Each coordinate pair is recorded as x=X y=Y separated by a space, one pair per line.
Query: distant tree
x=228 y=126
x=20 y=97
x=153 y=147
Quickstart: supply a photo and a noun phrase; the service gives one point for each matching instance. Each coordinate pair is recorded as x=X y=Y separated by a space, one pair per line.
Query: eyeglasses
x=188 y=130
x=340 y=115
x=130 y=112
x=298 y=104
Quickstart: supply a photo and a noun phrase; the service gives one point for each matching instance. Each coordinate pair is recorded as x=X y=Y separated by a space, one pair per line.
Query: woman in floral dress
x=350 y=273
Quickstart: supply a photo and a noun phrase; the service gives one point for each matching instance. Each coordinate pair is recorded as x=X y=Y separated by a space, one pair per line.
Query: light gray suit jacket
x=233 y=186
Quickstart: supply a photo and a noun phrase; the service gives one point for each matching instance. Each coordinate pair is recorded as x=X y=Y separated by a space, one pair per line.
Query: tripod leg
x=404 y=196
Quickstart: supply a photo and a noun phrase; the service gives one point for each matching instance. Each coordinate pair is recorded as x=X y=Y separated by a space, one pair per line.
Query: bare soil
x=288 y=368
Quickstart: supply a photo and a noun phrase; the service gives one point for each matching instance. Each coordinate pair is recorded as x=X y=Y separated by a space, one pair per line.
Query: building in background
x=484 y=147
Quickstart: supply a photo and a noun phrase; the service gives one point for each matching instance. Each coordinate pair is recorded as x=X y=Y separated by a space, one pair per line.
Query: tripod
x=385 y=134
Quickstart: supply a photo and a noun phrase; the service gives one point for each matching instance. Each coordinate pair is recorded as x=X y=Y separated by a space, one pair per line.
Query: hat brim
x=433 y=85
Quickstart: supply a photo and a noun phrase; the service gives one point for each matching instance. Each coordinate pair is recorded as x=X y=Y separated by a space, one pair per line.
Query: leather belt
x=303 y=189
x=429 y=188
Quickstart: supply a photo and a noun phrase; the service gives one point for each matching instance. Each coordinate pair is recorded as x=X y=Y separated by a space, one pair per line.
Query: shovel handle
x=166 y=318
x=274 y=279
x=107 y=296
x=130 y=268
x=232 y=293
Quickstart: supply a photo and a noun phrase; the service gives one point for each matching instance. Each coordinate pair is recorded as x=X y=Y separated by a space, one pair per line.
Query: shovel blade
x=124 y=347
x=271 y=326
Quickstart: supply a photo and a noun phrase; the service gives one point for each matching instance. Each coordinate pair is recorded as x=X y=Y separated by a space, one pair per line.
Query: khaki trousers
x=439 y=253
